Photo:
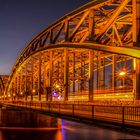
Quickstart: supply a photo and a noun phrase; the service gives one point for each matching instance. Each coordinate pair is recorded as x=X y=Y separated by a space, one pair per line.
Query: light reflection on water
x=17 y=125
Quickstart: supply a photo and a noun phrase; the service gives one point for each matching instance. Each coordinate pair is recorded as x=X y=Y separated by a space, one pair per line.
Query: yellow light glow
x=21 y=93
x=134 y=63
x=122 y=73
x=126 y=95
x=33 y=90
x=57 y=86
x=9 y=95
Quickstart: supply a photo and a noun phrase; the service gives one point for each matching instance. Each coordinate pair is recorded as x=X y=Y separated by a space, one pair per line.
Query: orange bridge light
x=122 y=73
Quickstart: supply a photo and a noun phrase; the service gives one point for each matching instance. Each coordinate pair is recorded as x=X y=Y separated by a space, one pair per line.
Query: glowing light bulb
x=122 y=73
x=57 y=86
x=33 y=90
x=59 y=97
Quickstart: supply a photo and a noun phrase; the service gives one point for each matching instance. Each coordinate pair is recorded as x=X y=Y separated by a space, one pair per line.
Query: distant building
x=3 y=81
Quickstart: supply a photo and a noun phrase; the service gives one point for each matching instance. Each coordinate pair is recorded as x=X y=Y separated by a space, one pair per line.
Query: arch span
x=97 y=37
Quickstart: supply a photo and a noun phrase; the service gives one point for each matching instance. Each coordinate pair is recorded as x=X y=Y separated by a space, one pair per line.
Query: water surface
x=18 y=125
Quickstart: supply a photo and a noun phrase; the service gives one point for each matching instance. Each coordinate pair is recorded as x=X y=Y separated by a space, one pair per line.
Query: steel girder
x=106 y=26
x=70 y=71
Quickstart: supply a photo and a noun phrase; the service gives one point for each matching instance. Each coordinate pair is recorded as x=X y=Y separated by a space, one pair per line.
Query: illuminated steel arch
x=90 y=53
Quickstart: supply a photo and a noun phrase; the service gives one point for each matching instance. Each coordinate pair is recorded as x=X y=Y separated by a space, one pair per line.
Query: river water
x=18 y=125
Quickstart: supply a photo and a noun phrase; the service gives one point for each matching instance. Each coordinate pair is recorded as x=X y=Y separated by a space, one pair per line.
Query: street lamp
x=57 y=86
x=9 y=95
x=122 y=73
x=33 y=90
x=14 y=96
x=58 y=89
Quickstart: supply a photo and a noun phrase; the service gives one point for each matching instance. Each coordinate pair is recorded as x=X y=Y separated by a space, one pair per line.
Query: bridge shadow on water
x=19 y=125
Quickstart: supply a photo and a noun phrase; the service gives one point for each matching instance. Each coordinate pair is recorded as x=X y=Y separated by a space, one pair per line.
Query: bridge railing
x=121 y=115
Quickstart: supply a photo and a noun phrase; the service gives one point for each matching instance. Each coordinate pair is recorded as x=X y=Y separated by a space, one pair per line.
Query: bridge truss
x=89 y=54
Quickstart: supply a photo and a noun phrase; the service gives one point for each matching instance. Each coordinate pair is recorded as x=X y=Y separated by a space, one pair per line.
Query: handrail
x=123 y=115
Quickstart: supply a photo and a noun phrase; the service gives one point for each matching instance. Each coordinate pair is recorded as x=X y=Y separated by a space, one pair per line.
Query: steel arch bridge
x=89 y=54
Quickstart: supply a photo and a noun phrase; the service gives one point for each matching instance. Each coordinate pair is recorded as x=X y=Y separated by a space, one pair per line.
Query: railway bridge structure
x=92 y=53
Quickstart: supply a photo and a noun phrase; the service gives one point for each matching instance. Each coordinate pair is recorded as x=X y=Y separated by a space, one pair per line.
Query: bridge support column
x=97 y=67
x=49 y=87
x=101 y=73
x=91 y=74
x=16 y=87
x=39 y=78
x=136 y=86
x=17 y=94
x=113 y=72
x=21 y=80
x=26 y=92
x=65 y=74
x=32 y=81
x=73 y=77
x=45 y=85
x=136 y=41
x=13 y=90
